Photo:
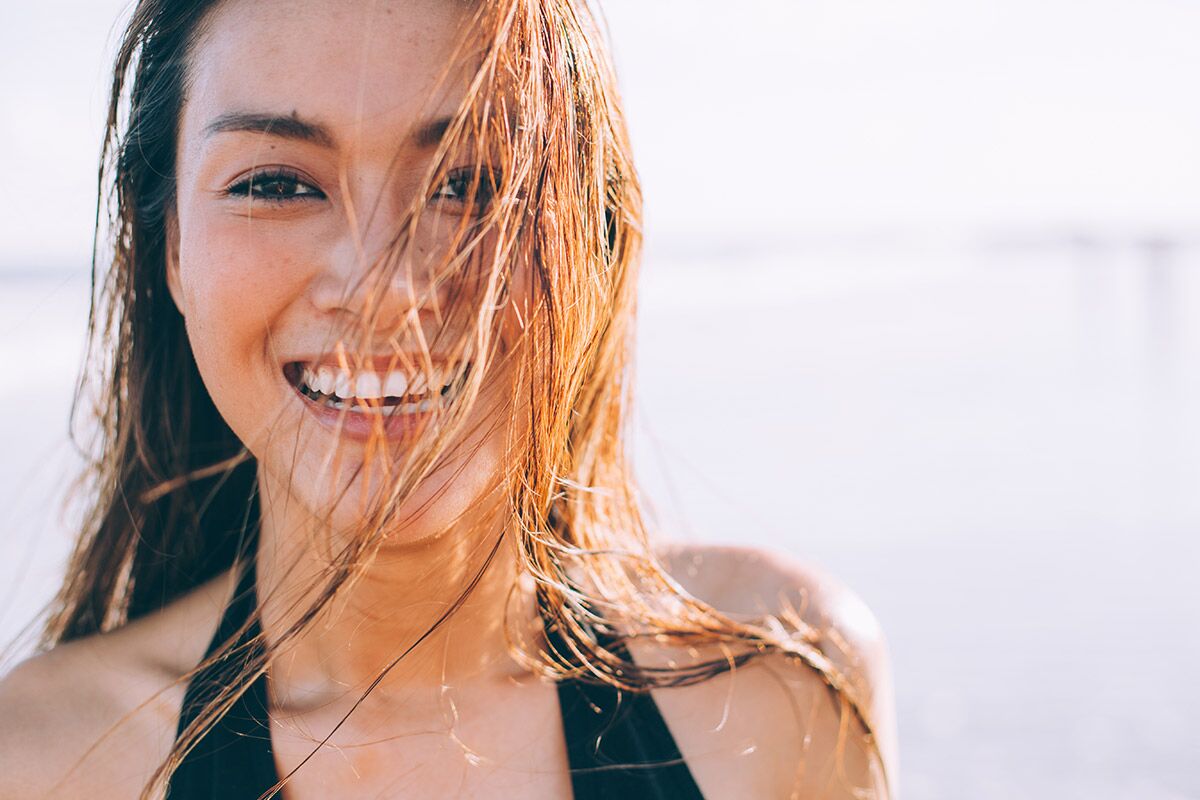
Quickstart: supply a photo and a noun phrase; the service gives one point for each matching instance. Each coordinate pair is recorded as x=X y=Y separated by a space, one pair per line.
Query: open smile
x=365 y=402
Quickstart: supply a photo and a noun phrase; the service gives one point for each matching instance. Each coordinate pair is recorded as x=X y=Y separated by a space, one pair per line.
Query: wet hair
x=172 y=490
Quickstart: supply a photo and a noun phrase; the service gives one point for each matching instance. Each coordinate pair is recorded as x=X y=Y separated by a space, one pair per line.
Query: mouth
x=387 y=393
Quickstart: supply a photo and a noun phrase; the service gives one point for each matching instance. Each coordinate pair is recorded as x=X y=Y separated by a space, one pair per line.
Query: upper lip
x=380 y=363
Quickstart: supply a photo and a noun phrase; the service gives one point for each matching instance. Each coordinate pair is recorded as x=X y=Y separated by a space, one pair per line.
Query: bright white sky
x=769 y=118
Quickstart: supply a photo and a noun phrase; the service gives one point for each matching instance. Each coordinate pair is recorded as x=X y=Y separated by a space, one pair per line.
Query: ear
x=171 y=225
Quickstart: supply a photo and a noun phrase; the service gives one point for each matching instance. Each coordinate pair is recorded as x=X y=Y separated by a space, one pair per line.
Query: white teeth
x=368 y=386
x=345 y=390
x=395 y=384
x=326 y=380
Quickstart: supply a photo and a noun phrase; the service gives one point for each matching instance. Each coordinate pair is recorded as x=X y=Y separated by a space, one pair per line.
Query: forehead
x=352 y=64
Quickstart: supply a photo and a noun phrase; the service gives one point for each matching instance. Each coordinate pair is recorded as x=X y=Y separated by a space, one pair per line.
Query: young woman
x=364 y=525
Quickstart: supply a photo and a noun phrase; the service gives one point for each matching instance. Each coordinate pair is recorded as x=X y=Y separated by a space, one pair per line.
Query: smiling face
x=307 y=133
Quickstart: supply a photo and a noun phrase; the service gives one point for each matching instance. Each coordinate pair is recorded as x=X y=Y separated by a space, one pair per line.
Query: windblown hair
x=174 y=492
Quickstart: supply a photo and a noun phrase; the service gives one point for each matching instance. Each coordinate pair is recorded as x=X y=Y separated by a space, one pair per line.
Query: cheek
x=236 y=283
x=235 y=277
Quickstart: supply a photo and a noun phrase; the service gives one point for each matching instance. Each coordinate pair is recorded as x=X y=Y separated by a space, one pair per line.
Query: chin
x=348 y=496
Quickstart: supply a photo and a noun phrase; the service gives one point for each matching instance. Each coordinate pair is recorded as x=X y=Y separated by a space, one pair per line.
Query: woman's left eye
x=275 y=187
x=458 y=185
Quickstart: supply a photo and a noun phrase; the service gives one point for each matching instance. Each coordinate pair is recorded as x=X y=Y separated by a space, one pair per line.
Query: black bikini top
x=618 y=744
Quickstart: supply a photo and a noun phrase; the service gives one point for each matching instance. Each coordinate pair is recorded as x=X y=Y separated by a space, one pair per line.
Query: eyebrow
x=295 y=127
x=431 y=132
x=287 y=127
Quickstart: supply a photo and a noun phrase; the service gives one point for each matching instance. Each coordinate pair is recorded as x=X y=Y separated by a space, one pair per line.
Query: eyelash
x=251 y=187
x=488 y=179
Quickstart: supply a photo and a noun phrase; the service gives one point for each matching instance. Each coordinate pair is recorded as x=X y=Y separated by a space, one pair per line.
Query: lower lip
x=364 y=426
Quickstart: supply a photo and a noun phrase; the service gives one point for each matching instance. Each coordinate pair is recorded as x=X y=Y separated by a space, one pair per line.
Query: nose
x=370 y=276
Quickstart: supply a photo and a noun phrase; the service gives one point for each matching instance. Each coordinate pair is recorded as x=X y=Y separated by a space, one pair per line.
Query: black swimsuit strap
x=618 y=744
x=234 y=759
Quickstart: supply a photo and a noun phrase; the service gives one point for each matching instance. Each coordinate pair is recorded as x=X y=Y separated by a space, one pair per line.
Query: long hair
x=172 y=490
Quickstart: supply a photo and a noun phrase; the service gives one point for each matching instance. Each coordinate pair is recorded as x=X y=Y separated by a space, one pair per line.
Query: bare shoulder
x=774 y=728
x=95 y=716
x=749 y=582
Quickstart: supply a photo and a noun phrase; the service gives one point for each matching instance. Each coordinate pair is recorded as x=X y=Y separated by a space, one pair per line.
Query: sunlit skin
x=264 y=283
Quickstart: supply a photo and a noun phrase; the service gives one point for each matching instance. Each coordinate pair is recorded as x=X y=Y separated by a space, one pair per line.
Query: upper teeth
x=365 y=385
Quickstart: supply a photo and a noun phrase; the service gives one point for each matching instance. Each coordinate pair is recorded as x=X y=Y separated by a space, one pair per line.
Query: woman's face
x=305 y=134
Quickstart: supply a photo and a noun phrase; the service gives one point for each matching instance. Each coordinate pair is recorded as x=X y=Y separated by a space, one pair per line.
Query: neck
x=407 y=601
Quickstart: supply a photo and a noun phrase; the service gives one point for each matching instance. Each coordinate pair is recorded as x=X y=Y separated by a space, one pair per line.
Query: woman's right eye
x=275 y=186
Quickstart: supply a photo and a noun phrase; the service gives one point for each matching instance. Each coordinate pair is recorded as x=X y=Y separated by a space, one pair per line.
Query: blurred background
x=919 y=305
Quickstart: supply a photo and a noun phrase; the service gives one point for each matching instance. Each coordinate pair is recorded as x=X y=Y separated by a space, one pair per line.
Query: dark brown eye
x=275 y=186
x=460 y=184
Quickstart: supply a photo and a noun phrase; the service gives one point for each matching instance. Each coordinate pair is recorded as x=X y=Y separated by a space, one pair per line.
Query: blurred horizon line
x=674 y=246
